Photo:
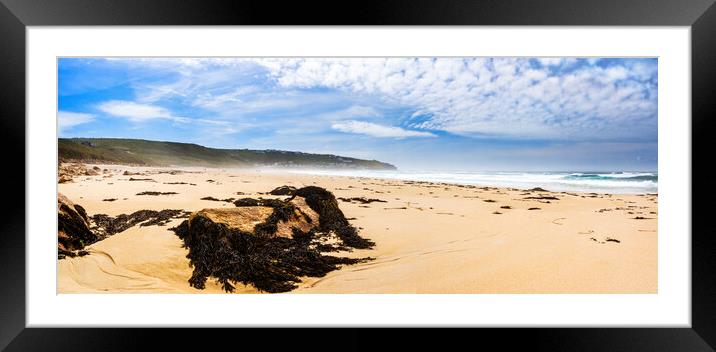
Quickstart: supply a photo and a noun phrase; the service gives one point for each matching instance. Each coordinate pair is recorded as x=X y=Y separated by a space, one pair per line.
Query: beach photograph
x=349 y=175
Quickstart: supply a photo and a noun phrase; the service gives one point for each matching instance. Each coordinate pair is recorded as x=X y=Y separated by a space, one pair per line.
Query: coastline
x=430 y=237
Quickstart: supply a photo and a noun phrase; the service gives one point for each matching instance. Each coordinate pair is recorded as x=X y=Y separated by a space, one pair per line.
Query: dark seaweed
x=154 y=193
x=362 y=200
x=228 y=200
x=269 y=263
x=543 y=197
x=283 y=191
x=105 y=225
x=142 y=179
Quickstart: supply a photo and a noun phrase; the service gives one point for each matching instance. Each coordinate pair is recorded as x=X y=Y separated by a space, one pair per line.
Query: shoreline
x=431 y=237
x=290 y=171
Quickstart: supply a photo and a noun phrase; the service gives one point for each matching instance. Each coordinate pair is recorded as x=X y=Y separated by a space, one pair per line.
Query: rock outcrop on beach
x=67 y=171
x=73 y=227
x=269 y=243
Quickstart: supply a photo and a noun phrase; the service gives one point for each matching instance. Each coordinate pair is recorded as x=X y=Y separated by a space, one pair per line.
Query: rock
x=73 y=230
x=67 y=171
x=64 y=179
x=246 y=219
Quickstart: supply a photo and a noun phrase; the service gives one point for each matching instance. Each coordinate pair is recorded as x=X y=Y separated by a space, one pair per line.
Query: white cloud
x=550 y=61
x=137 y=112
x=503 y=97
x=558 y=98
x=67 y=119
x=376 y=130
x=352 y=112
x=134 y=111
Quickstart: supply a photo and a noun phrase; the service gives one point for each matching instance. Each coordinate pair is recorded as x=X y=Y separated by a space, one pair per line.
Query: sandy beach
x=429 y=237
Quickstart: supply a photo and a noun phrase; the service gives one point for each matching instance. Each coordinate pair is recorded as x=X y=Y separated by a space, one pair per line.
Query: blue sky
x=498 y=114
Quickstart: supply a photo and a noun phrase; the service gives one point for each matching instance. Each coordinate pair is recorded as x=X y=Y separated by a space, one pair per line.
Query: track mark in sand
x=106 y=264
x=372 y=264
x=99 y=266
x=314 y=284
x=379 y=263
x=446 y=250
x=360 y=269
x=557 y=219
x=102 y=253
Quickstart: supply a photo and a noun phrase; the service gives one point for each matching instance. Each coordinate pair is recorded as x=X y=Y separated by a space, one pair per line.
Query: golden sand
x=430 y=238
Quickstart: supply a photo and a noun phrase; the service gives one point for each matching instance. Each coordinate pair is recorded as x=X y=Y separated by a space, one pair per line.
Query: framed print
x=448 y=165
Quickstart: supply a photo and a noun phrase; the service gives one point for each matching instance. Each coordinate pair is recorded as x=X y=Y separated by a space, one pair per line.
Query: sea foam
x=598 y=182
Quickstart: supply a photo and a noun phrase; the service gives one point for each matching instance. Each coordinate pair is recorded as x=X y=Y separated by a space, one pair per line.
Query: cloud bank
x=540 y=98
x=376 y=130
x=523 y=98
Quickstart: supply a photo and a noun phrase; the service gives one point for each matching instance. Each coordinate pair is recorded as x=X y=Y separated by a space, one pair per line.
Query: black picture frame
x=700 y=15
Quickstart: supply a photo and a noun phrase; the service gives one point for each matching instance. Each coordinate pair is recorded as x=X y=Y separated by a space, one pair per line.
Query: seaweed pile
x=155 y=193
x=543 y=197
x=283 y=191
x=104 y=225
x=361 y=200
x=250 y=244
x=227 y=200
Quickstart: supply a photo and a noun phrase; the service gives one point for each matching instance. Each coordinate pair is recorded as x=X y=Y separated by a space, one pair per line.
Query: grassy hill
x=155 y=153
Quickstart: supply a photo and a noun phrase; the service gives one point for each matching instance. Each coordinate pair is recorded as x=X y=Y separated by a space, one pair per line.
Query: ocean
x=597 y=182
